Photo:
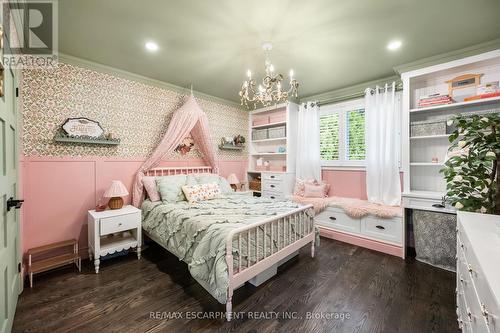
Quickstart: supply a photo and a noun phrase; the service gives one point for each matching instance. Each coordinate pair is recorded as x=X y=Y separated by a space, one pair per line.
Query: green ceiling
x=329 y=43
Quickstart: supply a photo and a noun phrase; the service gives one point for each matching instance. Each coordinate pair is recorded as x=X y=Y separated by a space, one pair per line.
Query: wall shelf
x=86 y=140
x=438 y=136
x=231 y=147
x=268 y=154
x=269 y=125
x=451 y=106
x=270 y=140
x=426 y=164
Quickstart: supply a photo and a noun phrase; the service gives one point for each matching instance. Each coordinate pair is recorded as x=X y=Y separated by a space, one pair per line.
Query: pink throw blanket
x=354 y=208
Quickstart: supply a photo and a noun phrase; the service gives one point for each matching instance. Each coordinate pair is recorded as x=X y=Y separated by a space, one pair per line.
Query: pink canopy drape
x=189 y=118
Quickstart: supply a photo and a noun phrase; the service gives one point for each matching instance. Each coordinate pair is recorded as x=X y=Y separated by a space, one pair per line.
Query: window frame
x=341 y=109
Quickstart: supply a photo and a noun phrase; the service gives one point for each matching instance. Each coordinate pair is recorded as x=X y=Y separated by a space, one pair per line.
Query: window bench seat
x=359 y=222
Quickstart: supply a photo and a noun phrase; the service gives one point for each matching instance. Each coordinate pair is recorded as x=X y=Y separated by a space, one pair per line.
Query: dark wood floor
x=379 y=292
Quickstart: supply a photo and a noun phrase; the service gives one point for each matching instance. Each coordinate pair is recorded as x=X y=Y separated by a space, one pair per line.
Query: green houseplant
x=472 y=172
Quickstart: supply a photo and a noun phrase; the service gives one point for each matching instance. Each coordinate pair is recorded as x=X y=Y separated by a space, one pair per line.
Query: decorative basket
x=254 y=185
x=276 y=132
x=428 y=127
x=259 y=134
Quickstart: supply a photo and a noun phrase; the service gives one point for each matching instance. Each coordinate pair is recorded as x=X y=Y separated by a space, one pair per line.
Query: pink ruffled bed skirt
x=354 y=208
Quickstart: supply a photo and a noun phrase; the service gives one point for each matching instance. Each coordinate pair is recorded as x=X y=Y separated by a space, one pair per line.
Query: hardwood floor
x=378 y=292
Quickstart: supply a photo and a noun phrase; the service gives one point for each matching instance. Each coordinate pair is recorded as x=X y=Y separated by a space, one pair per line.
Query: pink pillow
x=314 y=191
x=150 y=186
x=299 y=189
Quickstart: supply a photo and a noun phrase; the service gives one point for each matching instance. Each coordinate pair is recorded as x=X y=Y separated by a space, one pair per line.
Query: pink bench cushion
x=354 y=208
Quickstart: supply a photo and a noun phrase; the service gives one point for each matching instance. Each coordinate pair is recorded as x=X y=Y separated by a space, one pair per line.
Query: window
x=342 y=134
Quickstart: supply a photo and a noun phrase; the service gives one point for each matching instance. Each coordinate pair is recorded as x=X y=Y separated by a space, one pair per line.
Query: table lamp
x=233 y=181
x=115 y=192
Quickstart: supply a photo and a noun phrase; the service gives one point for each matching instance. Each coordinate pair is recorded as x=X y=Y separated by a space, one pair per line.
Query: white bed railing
x=288 y=232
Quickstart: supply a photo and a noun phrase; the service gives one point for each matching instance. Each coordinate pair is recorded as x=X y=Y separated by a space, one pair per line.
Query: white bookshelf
x=268 y=149
x=424 y=185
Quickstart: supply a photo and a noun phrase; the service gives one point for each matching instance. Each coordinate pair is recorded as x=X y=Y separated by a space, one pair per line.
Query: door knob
x=11 y=203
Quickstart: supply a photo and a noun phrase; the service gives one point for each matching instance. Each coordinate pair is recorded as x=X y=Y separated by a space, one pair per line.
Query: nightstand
x=112 y=231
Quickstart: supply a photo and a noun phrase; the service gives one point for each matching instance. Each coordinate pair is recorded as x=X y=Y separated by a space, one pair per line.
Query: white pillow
x=201 y=192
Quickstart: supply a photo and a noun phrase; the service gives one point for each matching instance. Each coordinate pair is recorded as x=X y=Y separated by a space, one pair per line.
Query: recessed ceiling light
x=394 y=45
x=152 y=46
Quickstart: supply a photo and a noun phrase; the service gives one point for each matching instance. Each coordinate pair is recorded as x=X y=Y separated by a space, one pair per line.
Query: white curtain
x=382 y=118
x=308 y=163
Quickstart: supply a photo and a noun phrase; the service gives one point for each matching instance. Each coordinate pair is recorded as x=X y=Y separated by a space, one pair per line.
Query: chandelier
x=270 y=91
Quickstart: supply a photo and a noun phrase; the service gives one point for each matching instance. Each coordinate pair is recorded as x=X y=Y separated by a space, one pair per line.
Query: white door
x=10 y=256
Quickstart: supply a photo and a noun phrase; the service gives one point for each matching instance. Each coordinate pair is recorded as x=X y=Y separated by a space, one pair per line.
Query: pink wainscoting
x=347 y=183
x=58 y=191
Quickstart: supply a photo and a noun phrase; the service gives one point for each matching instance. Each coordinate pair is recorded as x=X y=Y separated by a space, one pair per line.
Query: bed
x=229 y=240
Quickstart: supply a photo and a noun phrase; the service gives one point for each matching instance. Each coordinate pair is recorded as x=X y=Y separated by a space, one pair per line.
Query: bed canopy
x=188 y=119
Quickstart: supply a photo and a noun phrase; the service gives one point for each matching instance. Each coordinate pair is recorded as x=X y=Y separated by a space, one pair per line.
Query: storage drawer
x=426 y=204
x=272 y=186
x=383 y=229
x=463 y=319
x=471 y=271
x=114 y=224
x=272 y=176
x=337 y=219
x=272 y=194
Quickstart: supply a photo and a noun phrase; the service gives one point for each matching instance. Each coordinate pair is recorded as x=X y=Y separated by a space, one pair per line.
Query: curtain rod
x=399 y=87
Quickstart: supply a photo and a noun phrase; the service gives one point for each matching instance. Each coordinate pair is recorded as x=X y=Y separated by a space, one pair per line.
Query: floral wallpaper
x=135 y=112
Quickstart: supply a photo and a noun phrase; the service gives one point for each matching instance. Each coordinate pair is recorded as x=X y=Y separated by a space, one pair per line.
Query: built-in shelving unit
x=274 y=145
x=424 y=153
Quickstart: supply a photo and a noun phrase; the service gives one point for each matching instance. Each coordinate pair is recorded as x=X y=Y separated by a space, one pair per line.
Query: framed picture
x=77 y=127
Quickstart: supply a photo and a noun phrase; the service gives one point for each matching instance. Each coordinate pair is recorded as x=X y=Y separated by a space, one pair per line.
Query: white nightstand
x=112 y=231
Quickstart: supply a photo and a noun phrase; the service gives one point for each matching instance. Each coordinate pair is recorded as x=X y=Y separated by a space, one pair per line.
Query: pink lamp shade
x=232 y=179
x=117 y=189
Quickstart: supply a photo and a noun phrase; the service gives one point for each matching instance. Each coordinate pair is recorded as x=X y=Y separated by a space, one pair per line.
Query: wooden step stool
x=51 y=262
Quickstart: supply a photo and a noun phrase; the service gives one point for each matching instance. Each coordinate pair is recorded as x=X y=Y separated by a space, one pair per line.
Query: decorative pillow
x=299 y=189
x=150 y=186
x=211 y=178
x=201 y=192
x=170 y=187
x=314 y=191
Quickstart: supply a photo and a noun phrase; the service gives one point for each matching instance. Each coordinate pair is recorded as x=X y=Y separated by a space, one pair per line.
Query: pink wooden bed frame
x=290 y=242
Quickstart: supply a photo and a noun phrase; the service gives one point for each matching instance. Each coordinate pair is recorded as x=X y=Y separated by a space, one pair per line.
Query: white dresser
x=478 y=272
x=277 y=185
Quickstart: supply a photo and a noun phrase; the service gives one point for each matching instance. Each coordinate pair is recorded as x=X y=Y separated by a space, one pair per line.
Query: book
x=483 y=96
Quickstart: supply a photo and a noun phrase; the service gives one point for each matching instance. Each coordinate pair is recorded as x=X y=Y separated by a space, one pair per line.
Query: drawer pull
x=272 y=197
x=438 y=206
x=484 y=312
x=272 y=186
x=333 y=218
x=120 y=224
x=469 y=314
x=469 y=268
x=271 y=177
x=380 y=227
x=461 y=279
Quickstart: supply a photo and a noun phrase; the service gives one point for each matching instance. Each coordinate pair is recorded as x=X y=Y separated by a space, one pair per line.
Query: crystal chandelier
x=271 y=90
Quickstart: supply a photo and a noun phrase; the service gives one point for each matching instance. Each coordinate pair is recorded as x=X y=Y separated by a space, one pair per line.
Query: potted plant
x=472 y=171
